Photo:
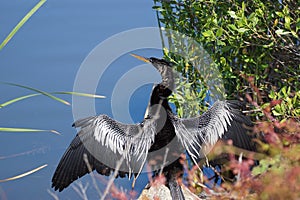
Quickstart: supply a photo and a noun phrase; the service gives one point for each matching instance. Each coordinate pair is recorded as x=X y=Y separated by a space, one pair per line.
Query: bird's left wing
x=108 y=145
x=223 y=120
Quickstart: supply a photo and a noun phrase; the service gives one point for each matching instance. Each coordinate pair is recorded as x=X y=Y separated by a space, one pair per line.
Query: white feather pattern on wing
x=204 y=131
x=129 y=142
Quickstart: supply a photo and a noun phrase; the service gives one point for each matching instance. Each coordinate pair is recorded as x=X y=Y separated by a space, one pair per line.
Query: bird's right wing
x=223 y=120
x=108 y=145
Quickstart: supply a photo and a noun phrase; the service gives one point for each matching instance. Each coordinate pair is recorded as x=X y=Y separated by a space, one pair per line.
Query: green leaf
x=223 y=61
x=286 y=10
x=272 y=94
x=232 y=14
x=208 y=33
x=261 y=168
x=282 y=32
x=279 y=14
x=298 y=24
x=243 y=7
x=268 y=45
x=180 y=111
x=219 y=32
x=294 y=34
x=259 y=12
x=242 y=30
x=21 y=23
x=277 y=111
x=232 y=27
x=283 y=90
x=287 y=22
x=221 y=43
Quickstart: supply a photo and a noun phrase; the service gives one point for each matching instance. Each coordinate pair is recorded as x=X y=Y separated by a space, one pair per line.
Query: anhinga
x=105 y=141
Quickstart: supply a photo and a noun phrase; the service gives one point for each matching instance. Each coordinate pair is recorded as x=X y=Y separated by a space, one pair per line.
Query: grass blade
x=24 y=174
x=39 y=91
x=21 y=23
x=38 y=94
x=5 y=129
x=49 y=94
x=81 y=94
x=17 y=99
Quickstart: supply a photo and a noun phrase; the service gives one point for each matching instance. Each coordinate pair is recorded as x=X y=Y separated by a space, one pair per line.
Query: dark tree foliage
x=245 y=38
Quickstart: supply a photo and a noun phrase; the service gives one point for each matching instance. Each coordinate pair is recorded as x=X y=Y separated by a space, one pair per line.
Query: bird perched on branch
x=106 y=145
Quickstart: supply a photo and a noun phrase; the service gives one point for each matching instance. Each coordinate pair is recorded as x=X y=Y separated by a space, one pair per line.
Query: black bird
x=106 y=143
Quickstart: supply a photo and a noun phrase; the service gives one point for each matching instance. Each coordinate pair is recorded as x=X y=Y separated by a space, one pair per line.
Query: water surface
x=46 y=54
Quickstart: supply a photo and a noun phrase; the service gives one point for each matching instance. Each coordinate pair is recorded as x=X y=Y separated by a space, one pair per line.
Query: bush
x=255 y=46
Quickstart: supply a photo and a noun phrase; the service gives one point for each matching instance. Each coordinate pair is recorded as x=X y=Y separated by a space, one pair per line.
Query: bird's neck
x=168 y=79
x=158 y=102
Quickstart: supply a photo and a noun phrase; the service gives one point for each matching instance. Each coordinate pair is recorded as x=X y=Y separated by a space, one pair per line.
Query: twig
x=80 y=190
x=91 y=174
x=164 y=161
x=252 y=111
x=238 y=177
x=111 y=180
x=55 y=197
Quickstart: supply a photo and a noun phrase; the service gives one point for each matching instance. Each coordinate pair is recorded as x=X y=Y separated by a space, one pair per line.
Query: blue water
x=46 y=53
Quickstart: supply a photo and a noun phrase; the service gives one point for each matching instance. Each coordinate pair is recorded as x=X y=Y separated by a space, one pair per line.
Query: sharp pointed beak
x=140 y=57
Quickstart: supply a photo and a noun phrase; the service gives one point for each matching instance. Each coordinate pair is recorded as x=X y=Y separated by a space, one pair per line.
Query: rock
x=161 y=192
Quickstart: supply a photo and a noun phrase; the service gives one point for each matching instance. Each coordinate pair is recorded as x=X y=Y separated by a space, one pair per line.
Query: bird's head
x=160 y=64
x=164 y=67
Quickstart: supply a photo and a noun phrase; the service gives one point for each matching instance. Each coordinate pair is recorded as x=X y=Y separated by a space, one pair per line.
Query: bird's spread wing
x=223 y=120
x=106 y=144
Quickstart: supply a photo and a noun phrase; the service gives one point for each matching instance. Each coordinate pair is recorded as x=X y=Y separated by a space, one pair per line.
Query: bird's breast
x=164 y=136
